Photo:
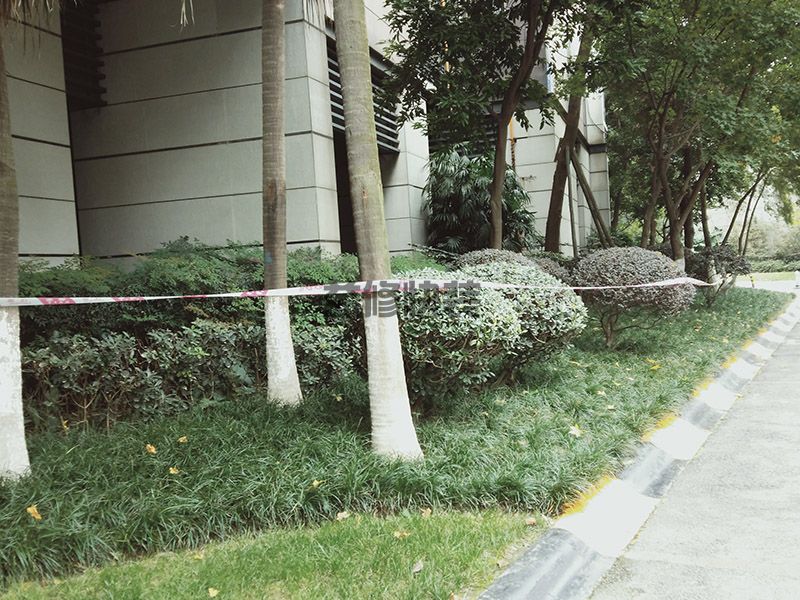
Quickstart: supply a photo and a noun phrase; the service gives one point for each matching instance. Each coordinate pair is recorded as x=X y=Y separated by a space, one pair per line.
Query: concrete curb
x=570 y=559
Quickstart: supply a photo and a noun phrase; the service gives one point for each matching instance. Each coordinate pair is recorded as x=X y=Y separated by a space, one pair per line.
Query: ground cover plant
x=229 y=468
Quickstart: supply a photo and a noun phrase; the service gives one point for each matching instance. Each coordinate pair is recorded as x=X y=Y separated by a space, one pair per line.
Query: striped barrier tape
x=359 y=287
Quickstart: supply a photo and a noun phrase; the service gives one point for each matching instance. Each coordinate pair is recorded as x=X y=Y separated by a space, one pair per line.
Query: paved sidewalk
x=729 y=527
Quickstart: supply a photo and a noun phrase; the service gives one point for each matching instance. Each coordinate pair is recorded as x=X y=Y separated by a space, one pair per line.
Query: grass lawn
x=411 y=556
x=249 y=469
x=781 y=276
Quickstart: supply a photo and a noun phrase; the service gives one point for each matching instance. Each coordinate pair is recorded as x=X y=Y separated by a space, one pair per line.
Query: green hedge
x=773 y=265
x=99 y=363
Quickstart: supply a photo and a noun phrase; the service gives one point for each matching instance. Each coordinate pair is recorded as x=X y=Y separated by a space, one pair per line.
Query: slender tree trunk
x=685 y=205
x=649 y=218
x=552 y=232
x=676 y=241
x=393 y=432
x=498 y=182
x=552 y=240
x=688 y=233
x=13 y=452
x=538 y=22
x=688 y=236
x=746 y=197
x=616 y=211
x=704 y=218
x=572 y=224
x=282 y=381
x=749 y=223
x=603 y=234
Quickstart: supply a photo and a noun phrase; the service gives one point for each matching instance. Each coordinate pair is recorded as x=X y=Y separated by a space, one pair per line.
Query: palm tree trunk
x=284 y=385
x=13 y=452
x=393 y=432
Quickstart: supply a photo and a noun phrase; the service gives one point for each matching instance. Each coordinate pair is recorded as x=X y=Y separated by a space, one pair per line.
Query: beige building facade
x=130 y=131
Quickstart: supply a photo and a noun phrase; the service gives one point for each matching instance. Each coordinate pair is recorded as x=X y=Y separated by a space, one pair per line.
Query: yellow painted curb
x=581 y=501
x=702 y=386
x=663 y=423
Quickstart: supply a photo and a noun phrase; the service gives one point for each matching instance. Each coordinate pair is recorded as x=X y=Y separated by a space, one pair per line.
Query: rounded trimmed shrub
x=551 y=267
x=550 y=315
x=630 y=266
x=453 y=338
x=490 y=255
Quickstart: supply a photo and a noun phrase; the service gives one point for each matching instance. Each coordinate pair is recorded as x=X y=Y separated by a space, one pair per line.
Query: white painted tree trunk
x=13 y=452
x=393 y=431
x=283 y=385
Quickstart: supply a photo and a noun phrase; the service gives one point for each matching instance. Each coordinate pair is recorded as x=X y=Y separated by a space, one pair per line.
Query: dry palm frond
x=187 y=12
x=22 y=10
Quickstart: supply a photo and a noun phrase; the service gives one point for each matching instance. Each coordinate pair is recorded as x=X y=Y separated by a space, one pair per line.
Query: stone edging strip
x=571 y=558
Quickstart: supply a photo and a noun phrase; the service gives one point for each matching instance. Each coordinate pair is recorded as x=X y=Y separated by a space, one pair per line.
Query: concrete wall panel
x=47 y=227
x=192 y=66
x=34 y=55
x=129 y=25
x=141 y=228
x=217 y=170
x=43 y=170
x=38 y=112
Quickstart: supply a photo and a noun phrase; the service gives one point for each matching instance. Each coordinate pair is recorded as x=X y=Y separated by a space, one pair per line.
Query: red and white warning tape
x=359 y=287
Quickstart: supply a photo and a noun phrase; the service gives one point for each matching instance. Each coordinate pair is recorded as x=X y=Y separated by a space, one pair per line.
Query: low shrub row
x=72 y=379
x=773 y=265
x=100 y=363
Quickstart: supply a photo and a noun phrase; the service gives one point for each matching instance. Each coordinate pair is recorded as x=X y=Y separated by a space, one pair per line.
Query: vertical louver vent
x=82 y=55
x=385 y=121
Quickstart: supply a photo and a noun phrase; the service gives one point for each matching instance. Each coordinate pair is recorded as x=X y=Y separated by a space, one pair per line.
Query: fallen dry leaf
x=183 y=439
x=401 y=534
x=418 y=566
x=150 y=448
x=213 y=592
x=530 y=521
x=33 y=511
x=316 y=483
x=425 y=512
x=341 y=516
x=174 y=470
